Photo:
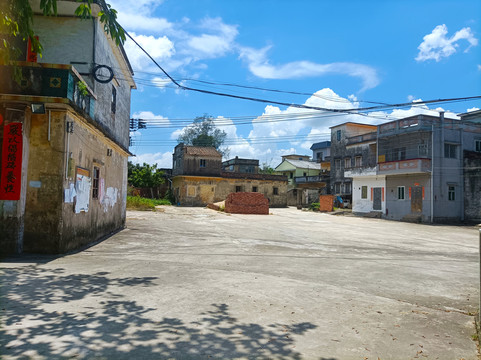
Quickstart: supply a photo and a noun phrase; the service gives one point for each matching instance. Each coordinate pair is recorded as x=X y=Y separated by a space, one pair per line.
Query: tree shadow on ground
x=49 y=314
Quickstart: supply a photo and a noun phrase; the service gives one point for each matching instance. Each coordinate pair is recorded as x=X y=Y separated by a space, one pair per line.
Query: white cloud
x=479 y=67
x=216 y=43
x=437 y=45
x=260 y=66
x=472 y=109
x=163 y=160
x=159 y=48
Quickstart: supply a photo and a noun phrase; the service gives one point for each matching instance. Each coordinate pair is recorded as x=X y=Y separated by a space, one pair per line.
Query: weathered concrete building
x=63 y=183
x=198 y=179
x=425 y=171
x=351 y=148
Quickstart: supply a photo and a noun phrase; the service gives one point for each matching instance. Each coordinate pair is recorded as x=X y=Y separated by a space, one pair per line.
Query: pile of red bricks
x=326 y=203
x=247 y=203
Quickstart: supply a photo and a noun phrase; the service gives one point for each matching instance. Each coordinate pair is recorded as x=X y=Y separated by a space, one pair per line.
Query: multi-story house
x=351 y=148
x=306 y=179
x=419 y=174
x=321 y=151
x=198 y=178
x=65 y=131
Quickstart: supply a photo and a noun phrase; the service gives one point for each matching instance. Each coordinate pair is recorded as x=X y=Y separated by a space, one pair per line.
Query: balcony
x=314 y=181
x=371 y=137
x=408 y=125
x=411 y=166
x=364 y=166
x=48 y=83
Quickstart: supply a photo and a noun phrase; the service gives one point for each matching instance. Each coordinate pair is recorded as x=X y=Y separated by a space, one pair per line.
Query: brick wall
x=326 y=203
x=247 y=203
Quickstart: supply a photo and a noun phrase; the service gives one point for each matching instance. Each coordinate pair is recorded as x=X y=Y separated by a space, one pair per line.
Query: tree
x=203 y=132
x=17 y=24
x=144 y=176
x=266 y=169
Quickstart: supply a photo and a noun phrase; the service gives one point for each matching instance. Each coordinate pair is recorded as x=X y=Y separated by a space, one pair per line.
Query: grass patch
x=140 y=203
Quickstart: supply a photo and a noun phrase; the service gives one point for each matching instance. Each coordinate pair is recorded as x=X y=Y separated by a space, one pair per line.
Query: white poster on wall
x=82 y=187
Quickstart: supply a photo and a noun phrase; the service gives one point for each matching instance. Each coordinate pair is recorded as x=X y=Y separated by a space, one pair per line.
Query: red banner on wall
x=11 y=177
x=31 y=56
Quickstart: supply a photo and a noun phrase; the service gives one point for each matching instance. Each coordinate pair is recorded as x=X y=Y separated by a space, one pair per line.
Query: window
x=291 y=175
x=275 y=191
x=363 y=192
x=347 y=188
x=337 y=188
x=202 y=163
x=398 y=154
x=338 y=164
x=401 y=192
x=113 y=104
x=95 y=183
x=304 y=174
x=347 y=163
x=450 y=151
x=358 y=161
x=423 y=150
x=238 y=189
x=338 y=135
x=231 y=167
x=451 y=193
x=320 y=155
x=254 y=189
x=477 y=145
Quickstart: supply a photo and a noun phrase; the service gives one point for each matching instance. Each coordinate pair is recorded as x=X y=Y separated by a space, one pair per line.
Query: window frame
x=403 y=193
x=450 y=151
x=347 y=163
x=356 y=161
x=337 y=164
x=451 y=193
x=113 y=100
x=254 y=189
x=275 y=190
x=477 y=145
x=364 y=192
x=202 y=163
x=95 y=182
x=338 y=135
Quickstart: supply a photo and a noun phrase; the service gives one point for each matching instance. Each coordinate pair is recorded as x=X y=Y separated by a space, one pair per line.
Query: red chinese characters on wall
x=11 y=177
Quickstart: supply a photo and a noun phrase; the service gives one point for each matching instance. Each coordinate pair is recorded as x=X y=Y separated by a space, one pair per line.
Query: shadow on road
x=54 y=315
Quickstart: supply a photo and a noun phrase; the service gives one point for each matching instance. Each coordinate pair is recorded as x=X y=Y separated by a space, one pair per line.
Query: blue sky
x=338 y=55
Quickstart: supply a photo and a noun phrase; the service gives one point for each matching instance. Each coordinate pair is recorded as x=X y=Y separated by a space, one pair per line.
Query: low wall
x=326 y=203
x=247 y=203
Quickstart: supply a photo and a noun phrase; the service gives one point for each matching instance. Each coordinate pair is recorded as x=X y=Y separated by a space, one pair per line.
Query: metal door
x=377 y=199
x=417 y=199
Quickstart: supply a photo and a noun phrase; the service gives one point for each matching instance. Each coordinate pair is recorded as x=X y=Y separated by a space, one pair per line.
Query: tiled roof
x=201 y=151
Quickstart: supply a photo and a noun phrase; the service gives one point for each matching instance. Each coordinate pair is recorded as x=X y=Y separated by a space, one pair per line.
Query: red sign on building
x=11 y=177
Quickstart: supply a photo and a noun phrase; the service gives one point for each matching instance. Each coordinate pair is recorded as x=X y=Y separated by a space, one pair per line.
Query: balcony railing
x=309 y=179
x=362 y=138
x=48 y=81
x=405 y=166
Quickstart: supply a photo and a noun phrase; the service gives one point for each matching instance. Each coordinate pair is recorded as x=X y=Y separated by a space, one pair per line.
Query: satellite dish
x=103 y=74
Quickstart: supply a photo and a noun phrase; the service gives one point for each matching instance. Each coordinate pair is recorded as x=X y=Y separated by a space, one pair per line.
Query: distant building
x=351 y=147
x=198 y=178
x=247 y=166
x=306 y=180
x=427 y=170
x=321 y=151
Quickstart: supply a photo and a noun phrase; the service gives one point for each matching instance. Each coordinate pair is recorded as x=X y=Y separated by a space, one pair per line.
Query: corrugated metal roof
x=201 y=151
x=301 y=164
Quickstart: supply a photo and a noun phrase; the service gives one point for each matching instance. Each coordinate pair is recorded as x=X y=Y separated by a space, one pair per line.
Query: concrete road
x=191 y=283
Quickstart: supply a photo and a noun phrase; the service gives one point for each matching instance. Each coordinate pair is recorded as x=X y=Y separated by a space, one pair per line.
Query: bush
x=314 y=207
x=140 y=203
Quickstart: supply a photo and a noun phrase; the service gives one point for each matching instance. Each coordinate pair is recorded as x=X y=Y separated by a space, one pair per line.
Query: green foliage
x=145 y=175
x=140 y=203
x=17 y=24
x=203 y=132
x=82 y=88
x=266 y=169
x=314 y=207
